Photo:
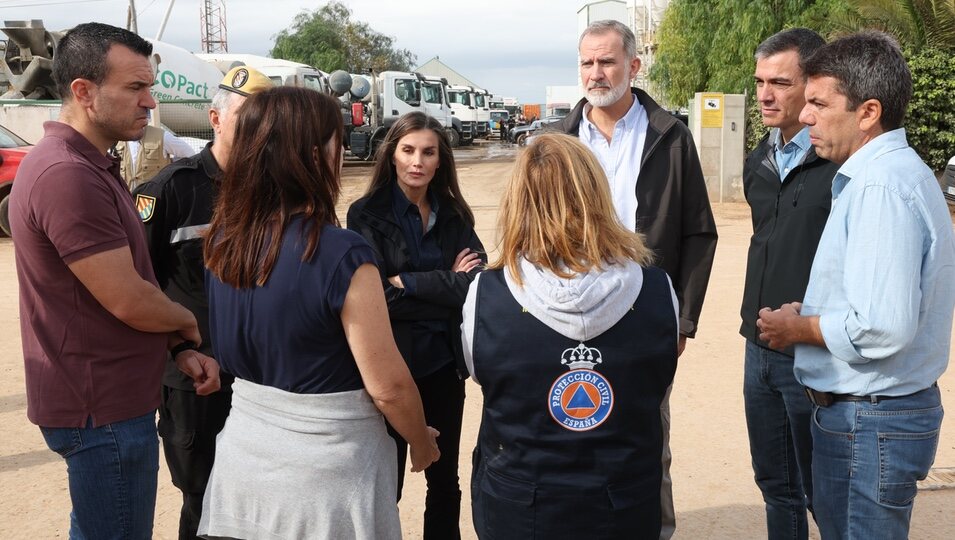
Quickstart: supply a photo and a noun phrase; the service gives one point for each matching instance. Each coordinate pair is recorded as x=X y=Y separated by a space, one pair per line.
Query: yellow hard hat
x=245 y=81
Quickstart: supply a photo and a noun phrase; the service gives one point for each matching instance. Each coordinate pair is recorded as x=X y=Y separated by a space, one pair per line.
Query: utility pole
x=212 y=26
x=165 y=19
x=131 y=23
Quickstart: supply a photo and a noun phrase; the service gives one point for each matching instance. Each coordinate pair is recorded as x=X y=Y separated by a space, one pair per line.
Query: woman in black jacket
x=422 y=232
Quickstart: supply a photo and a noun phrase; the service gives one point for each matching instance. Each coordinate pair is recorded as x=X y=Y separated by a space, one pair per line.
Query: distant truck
x=532 y=112
x=435 y=93
x=558 y=109
x=463 y=106
x=483 y=108
x=394 y=93
x=499 y=121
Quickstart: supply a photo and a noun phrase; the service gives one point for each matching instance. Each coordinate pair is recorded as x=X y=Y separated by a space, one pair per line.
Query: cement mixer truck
x=370 y=104
x=180 y=74
x=394 y=93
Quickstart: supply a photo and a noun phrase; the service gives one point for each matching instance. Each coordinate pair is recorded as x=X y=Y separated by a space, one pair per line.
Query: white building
x=642 y=16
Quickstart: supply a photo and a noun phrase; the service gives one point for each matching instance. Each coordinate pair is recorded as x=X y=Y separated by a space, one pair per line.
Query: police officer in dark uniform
x=573 y=339
x=176 y=207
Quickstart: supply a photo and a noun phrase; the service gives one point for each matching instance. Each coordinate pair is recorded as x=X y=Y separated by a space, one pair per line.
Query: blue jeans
x=778 y=415
x=866 y=461
x=113 y=471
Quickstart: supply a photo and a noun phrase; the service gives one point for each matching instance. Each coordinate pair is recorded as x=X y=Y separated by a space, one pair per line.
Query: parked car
x=12 y=150
x=519 y=134
x=948 y=182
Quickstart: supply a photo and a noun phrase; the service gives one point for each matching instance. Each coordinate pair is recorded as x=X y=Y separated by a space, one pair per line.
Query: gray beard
x=606 y=99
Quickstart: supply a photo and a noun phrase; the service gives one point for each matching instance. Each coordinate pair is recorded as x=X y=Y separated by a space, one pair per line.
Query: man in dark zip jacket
x=655 y=180
x=788 y=188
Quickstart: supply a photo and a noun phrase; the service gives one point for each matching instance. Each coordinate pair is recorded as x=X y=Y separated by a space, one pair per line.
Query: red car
x=12 y=150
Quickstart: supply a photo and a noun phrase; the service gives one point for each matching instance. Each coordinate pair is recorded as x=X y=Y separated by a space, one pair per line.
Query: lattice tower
x=212 y=26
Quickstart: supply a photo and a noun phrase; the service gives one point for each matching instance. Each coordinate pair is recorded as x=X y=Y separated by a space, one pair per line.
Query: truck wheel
x=521 y=139
x=372 y=149
x=5 y=215
x=453 y=138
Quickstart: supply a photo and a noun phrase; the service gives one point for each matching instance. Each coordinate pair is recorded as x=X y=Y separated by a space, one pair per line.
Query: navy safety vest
x=571 y=437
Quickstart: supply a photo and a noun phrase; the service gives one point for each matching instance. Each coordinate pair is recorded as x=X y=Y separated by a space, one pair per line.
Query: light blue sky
x=512 y=48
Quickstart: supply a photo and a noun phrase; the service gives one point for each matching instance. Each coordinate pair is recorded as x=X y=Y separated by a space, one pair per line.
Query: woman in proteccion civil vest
x=422 y=233
x=572 y=336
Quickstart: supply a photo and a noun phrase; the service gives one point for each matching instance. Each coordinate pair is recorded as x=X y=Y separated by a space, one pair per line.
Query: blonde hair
x=557 y=213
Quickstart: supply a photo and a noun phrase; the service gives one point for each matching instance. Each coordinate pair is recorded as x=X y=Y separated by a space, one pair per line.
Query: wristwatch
x=184 y=346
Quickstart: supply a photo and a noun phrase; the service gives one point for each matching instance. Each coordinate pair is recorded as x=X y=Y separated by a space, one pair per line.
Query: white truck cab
x=483 y=108
x=394 y=93
x=462 y=106
x=434 y=91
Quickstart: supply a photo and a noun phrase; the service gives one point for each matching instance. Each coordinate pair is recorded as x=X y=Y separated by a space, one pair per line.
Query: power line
x=147 y=7
x=55 y=3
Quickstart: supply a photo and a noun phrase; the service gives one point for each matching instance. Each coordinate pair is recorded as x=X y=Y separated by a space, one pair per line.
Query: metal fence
x=187 y=119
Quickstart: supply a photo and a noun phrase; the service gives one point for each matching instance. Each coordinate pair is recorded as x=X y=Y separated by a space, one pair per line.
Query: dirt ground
x=713 y=486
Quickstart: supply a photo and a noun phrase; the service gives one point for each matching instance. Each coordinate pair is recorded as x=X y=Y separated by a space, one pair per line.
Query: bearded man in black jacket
x=655 y=180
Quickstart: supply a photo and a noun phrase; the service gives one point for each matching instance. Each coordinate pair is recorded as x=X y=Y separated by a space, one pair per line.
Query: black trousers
x=188 y=425
x=442 y=394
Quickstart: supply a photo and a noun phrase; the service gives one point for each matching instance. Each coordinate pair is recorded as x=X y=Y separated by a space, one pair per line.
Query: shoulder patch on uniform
x=145 y=205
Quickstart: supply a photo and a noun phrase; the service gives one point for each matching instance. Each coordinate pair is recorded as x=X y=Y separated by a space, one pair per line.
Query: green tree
x=708 y=44
x=926 y=32
x=328 y=39
x=680 y=67
x=930 y=122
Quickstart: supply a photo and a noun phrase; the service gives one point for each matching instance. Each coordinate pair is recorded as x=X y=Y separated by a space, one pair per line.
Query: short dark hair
x=802 y=40
x=867 y=65
x=81 y=54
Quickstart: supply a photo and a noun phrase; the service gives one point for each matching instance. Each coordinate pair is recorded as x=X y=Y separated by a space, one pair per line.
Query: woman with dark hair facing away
x=573 y=339
x=297 y=314
x=422 y=232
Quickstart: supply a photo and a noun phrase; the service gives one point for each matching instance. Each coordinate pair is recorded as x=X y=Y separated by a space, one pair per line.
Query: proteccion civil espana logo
x=580 y=399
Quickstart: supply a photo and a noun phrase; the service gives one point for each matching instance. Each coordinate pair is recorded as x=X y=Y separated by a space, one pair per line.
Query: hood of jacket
x=583 y=306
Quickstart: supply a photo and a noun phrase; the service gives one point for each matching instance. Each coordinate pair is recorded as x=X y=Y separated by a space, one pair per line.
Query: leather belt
x=825 y=399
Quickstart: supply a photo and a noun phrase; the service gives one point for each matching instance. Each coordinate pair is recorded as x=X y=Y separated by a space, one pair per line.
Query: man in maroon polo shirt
x=95 y=327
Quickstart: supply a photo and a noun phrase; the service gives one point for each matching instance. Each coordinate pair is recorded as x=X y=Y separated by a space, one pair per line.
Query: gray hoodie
x=581 y=307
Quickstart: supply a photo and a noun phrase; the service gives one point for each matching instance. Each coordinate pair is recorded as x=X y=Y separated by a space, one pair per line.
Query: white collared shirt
x=620 y=158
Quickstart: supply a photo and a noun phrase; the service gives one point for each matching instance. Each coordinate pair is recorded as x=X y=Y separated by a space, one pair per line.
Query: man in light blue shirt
x=874 y=330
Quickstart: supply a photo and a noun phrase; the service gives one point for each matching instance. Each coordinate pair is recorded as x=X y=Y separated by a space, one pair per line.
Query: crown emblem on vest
x=581 y=357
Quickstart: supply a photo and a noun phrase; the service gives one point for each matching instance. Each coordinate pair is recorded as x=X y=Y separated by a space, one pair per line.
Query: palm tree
x=917 y=24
